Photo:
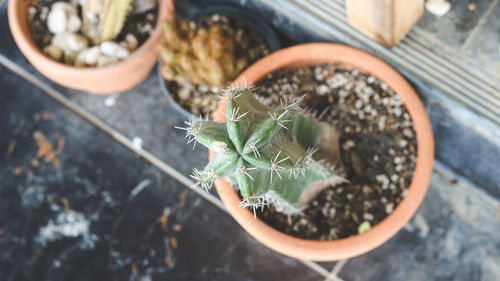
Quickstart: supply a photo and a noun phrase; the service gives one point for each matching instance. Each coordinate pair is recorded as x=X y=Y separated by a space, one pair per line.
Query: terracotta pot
x=320 y=53
x=117 y=77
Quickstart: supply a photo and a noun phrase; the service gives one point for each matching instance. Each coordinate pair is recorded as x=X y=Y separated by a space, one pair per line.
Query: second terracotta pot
x=316 y=54
x=114 y=78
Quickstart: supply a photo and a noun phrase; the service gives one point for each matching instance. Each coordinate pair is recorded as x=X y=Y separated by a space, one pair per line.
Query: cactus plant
x=269 y=152
x=208 y=55
x=103 y=20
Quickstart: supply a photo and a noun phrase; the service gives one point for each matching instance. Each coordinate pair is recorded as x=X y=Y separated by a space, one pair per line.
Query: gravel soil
x=378 y=149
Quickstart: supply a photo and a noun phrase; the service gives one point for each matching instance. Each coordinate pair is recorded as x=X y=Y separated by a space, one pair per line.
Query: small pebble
x=438 y=7
x=407 y=132
x=57 y=21
x=358 y=104
x=402 y=143
x=105 y=60
x=368 y=216
x=137 y=142
x=348 y=144
x=44 y=13
x=53 y=52
x=76 y=42
x=389 y=208
x=371 y=79
x=31 y=12
x=112 y=49
x=74 y=23
x=394 y=177
x=92 y=55
x=323 y=90
x=110 y=101
x=130 y=42
x=397 y=111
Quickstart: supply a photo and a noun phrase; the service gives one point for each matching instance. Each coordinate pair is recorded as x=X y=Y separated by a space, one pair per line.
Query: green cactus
x=203 y=56
x=269 y=153
x=103 y=20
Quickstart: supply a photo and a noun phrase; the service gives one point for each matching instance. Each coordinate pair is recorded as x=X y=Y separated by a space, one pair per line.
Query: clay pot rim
x=28 y=46
x=315 y=54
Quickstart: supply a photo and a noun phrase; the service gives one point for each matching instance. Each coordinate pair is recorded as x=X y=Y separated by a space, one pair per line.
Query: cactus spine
x=269 y=153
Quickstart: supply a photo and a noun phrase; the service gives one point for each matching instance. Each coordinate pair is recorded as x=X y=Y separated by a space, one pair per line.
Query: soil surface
x=202 y=100
x=378 y=149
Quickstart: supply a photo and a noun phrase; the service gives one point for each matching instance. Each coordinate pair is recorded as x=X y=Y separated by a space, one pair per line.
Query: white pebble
x=438 y=7
x=368 y=216
x=64 y=6
x=402 y=143
x=57 y=21
x=184 y=93
x=382 y=179
x=43 y=14
x=92 y=55
x=70 y=57
x=407 y=132
x=389 y=208
x=371 y=79
x=358 y=104
x=394 y=177
x=323 y=90
x=111 y=101
x=61 y=40
x=337 y=80
x=113 y=49
x=397 y=111
x=31 y=12
x=80 y=58
x=105 y=60
x=399 y=159
x=53 y=52
x=77 y=42
x=131 y=42
x=332 y=212
x=74 y=23
x=137 y=142
x=381 y=122
x=70 y=42
x=348 y=144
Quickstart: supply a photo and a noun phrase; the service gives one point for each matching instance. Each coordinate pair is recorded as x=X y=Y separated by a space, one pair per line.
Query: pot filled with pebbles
x=326 y=158
x=206 y=51
x=100 y=46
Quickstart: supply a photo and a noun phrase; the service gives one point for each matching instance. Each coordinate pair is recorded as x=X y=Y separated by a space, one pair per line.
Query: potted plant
x=205 y=50
x=249 y=142
x=100 y=46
